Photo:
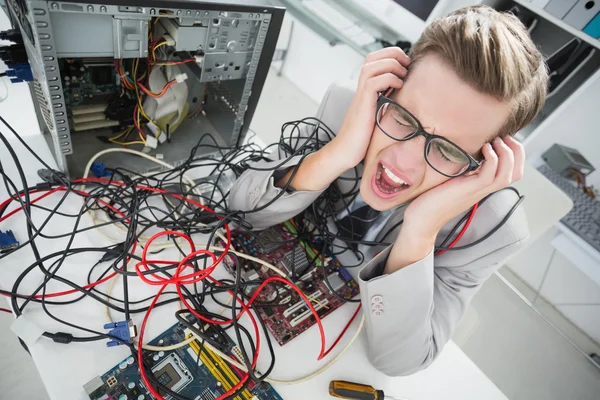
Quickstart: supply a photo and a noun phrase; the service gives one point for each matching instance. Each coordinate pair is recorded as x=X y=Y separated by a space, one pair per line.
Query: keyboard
x=584 y=218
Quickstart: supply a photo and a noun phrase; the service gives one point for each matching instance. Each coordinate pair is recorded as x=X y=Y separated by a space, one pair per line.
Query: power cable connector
x=14 y=54
x=126 y=331
x=12 y=35
x=181 y=77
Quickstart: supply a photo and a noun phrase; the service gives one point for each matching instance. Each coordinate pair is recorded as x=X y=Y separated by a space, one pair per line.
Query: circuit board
x=279 y=246
x=85 y=82
x=203 y=377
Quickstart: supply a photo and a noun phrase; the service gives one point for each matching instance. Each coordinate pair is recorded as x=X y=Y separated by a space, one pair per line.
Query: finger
x=389 y=52
x=519 y=154
x=506 y=163
x=487 y=172
x=382 y=82
x=380 y=67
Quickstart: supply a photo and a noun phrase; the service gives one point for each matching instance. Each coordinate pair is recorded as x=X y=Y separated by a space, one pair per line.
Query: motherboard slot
x=296 y=307
x=219 y=368
x=308 y=313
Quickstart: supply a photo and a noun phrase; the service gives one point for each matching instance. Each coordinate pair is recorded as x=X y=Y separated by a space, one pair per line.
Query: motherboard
x=193 y=371
x=306 y=263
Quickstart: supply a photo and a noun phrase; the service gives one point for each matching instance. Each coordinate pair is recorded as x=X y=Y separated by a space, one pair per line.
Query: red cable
x=6 y=310
x=343 y=330
x=462 y=231
x=195 y=277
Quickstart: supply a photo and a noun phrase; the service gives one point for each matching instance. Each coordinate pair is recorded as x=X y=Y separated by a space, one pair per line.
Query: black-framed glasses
x=440 y=153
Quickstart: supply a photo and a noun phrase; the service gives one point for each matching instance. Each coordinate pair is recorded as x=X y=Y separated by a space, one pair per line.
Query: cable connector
x=199 y=58
x=8 y=241
x=169 y=39
x=19 y=72
x=113 y=253
x=62 y=337
x=12 y=35
x=124 y=330
x=51 y=176
x=43 y=186
x=181 y=77
x=99 y=170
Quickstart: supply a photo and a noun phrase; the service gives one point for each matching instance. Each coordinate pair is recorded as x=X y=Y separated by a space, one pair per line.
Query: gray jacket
x=422 y=302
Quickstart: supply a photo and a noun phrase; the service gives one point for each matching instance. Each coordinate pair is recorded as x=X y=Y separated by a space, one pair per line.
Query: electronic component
x=345 y=274
x=248 y=276
x=562 y=158
x=124 y=330
x=225 y=50
x=93 y=385
x=293 y=316
x=193 y=371
x=268 y=240
x=295 y=261
x=584 y=217
x=173 y=373
x=207 y=395
x=335 y=281
x=8 y=241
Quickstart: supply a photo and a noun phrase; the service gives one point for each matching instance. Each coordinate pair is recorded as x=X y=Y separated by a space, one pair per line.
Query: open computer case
x=82 y=54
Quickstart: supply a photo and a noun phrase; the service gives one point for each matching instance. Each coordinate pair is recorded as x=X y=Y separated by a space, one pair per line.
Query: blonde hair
x=493 y=52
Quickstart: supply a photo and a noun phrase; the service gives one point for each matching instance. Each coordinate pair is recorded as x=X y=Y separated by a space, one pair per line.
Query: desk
x=66 y=368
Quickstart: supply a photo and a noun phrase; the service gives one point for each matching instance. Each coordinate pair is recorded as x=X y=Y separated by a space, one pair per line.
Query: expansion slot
x=296 y=307
x=219 y=368
x=307 y=314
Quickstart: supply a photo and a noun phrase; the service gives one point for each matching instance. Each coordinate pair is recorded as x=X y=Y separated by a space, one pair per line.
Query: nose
x=409 y=155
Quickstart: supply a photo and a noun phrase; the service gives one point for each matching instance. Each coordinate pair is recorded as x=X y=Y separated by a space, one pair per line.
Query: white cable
x=295 y=380
x=6 y=87
x=140 y=154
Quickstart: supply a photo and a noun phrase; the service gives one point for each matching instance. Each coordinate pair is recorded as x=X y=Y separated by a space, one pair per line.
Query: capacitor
x=130 y=360
x=123 y=397
x=131 y=385
x=161 y=353
x=123 y=365
x=155 y=357
x=141 y=397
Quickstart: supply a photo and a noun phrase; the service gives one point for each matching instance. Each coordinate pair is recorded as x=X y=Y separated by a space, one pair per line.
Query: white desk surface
x=64 y=369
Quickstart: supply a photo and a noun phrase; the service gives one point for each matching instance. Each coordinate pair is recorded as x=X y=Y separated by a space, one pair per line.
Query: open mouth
x=386 y=184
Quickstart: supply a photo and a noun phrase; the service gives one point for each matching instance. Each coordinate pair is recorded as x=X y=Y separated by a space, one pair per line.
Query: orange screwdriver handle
x=354 y=391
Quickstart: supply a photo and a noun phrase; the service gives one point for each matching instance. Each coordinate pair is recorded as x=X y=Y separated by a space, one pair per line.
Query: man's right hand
x=383 y=69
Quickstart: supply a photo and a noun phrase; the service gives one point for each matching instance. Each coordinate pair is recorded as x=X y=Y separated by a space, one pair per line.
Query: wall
x=312 y=64
x=576 y=123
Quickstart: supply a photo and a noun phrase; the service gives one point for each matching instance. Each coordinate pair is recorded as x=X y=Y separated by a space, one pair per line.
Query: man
x=437 y=142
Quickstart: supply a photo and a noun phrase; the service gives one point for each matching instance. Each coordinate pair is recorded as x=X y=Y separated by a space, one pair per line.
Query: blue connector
x=124 y=330
x=99 y=170
x=19 y=73
x=345 y=274
x=8 y=241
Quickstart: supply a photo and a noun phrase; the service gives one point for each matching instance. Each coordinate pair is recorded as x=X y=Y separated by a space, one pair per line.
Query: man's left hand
x=427 y=214
x=504 y=164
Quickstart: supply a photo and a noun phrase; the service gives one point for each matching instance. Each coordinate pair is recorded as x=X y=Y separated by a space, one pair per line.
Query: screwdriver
x=357 y=391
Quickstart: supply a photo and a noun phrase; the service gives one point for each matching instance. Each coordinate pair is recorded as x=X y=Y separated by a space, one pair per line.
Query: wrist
x=413 y=244
x=331 y=158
